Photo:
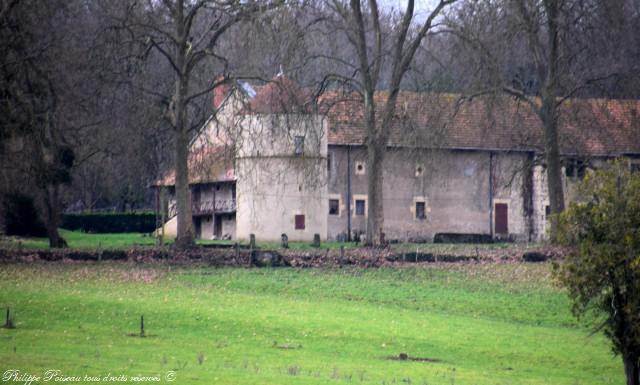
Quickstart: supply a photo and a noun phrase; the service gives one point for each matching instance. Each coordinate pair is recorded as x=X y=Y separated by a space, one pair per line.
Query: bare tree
x=186 y=35
x=543 y=53
x=365 y=34
x=44 y=103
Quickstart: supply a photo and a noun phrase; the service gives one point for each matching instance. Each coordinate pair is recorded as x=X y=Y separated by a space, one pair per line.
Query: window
x=360 y=169
x=298 y=142
x=334 y=207
x=575 y=168
x=547 y=211
x=358 y=205
x=299 y=219
x=420 y=210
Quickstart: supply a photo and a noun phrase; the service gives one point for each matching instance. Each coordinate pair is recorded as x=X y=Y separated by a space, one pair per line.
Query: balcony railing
x=219 y=206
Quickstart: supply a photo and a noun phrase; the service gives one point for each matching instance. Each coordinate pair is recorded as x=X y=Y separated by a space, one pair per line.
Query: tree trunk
x=548 y=113
x=554 y=166
x=632 y=369
x=185 y=236
x=375 y=209
x=52 y=211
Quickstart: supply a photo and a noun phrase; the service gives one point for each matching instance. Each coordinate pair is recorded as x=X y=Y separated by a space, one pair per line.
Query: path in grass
x=481 y=324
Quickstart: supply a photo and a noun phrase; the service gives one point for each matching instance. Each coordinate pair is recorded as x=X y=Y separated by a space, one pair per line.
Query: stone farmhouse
x=274 y=160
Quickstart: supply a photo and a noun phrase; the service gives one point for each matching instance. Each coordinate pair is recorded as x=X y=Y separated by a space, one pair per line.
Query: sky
x=423 y=7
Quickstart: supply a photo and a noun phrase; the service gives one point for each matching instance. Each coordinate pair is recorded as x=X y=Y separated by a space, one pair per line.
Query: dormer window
x=298 y=142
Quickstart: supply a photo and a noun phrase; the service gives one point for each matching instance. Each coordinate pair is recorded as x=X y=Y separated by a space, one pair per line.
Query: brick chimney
x=220 y=92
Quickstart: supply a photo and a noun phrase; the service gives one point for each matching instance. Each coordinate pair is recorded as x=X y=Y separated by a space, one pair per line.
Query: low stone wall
x=232 y=257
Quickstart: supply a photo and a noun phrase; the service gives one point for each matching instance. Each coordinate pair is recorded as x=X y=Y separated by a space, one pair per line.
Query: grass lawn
x=470 y=324
x=80 y=240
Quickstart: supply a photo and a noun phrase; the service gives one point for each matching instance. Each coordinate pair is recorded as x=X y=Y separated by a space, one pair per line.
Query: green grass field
x=80 y=240
x=470 y=324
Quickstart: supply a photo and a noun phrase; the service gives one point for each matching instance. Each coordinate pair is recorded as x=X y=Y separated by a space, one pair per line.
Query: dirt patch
x=287 y=347
x=406 y=357
x=140 y=275
x=141 y=336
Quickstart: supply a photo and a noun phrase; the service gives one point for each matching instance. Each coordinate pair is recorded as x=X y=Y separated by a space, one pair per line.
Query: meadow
x=456 y=324
x=91 y=241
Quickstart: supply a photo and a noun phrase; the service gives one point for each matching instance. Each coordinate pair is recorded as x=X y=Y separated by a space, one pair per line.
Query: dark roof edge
x=493 y=149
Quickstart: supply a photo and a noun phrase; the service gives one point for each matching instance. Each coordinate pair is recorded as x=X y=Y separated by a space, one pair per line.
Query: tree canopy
x=601 y=271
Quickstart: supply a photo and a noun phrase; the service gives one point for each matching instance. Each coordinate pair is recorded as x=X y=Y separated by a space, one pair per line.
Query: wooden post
x=157 y=212
x=252 y=241
x=163 y=218
x=8 y=323
x=142 y=326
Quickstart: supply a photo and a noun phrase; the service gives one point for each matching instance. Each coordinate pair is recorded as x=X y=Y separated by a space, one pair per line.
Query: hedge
x=21 y=217
x=110 y=223
x=462 y=238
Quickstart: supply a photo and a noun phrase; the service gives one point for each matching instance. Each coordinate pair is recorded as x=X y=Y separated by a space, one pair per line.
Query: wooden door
x=501 y=218
x=198 y=227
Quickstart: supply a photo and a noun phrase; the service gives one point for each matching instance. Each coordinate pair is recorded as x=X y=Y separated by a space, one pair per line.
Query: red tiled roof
x=220 y=92
x=590 y=127
x=586 y=126
x=280 y=95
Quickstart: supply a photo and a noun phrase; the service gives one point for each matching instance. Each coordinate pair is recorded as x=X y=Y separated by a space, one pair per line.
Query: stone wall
x=452 y=185
x=277 y=183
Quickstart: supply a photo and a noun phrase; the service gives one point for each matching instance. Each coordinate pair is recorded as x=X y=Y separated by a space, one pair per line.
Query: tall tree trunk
x=375 y=208
x=52 y=217
x=554 y=166
x=185 y=236
x=632 y=369
x=548 y=112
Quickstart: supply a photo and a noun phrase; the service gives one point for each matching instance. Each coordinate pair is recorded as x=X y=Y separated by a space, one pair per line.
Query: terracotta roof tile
x=586 y=126
x=280 y=95
x=595 y=127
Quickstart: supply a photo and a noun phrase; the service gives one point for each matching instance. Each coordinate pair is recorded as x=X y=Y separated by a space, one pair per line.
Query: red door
x=502 y=218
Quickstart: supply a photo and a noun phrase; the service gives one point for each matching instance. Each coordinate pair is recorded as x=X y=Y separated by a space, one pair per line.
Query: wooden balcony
x=219 y=206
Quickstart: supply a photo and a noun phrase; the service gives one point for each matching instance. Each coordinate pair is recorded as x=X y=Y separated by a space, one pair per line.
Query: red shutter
x=299 y=222
x=502 y=218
